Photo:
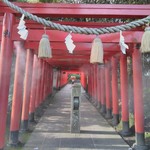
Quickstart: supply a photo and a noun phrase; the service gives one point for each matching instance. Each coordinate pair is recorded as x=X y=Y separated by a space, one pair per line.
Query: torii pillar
x=107 y=91
x=103 y=100
x=17 y=94
x=124 y=95
x=27 y=89
x=5 y=70
x=115 y=92
x=33 y=89
x=138 y=101
x=98 y=87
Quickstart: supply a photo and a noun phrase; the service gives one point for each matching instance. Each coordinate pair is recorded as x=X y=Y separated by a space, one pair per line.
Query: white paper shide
x=69 y=43
x=122 y=44
x=23 y=32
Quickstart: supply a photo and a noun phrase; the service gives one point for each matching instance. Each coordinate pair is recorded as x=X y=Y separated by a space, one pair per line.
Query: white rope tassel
x=44 y=47
x=97 y=51
x=145 y=43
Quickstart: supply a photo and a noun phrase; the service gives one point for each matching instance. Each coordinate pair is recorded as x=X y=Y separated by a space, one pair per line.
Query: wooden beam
x=61 y=46
x=34 y=25
x=82 y=10
x=59 y=36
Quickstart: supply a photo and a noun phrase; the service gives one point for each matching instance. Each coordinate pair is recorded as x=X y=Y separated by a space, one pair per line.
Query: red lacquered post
x=38 y=78
x=107 y=91
x=99 y=86
x=138 y=101
x=124 y=95
x=33 y=89
x=5 y=70
x=17 y=94
x=41 y=81
x=103 y=100
x=27 y=89
x=115 y=104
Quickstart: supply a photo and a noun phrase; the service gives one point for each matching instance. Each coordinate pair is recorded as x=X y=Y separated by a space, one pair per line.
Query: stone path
x=53 y=130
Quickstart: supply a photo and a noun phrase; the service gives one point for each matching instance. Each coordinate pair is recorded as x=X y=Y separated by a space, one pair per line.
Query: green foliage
x=24 y=137
x=37 y=1
x=146 y=62
x=131 y=121
x=147 y=135
x=90 y=1
x=76 y=75
x=49 y=1
x=107 y=1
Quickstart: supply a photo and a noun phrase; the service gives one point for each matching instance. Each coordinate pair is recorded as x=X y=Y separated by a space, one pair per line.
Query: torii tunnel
x=41 y=76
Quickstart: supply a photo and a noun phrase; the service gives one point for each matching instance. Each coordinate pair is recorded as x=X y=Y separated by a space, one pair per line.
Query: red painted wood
x=92 y=76
x=82 y=10
x=5 y=70
x=83 y=81
x=138 y=92
x=64 y=78
x=41 y=81
x=90 y=83
x=108 y=85
x=45 y=80
x=81 y=6
x=114 y=87
x=18 y=87
x=27 y=85
x=38 y=77
x=33 y=85
x=102 y=72
x=51 y=79
x=83 y=47
x=83 y=42
x=59 y=36
x=58 y=80
x=95 y=81
x=99 y=84
x=124 y=87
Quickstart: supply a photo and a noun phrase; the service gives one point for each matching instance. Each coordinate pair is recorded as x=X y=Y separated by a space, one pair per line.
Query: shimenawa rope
x=80 y=30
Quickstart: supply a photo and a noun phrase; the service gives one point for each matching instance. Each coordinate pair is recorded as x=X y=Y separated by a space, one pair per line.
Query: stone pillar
x=75 y=108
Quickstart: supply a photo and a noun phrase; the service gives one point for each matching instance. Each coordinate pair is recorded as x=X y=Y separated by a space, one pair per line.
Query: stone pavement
x=53 y=130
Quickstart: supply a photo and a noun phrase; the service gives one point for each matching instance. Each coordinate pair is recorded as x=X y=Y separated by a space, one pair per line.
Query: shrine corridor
x=53 y=130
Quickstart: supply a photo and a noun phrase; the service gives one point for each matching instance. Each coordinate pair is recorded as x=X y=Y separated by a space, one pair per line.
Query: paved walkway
x=53 y=130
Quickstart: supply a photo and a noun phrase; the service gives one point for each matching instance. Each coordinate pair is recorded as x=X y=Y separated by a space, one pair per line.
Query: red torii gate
x=61 y=59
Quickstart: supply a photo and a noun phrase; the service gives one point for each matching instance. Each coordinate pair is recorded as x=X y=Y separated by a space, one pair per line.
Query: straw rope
x=80 y=30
